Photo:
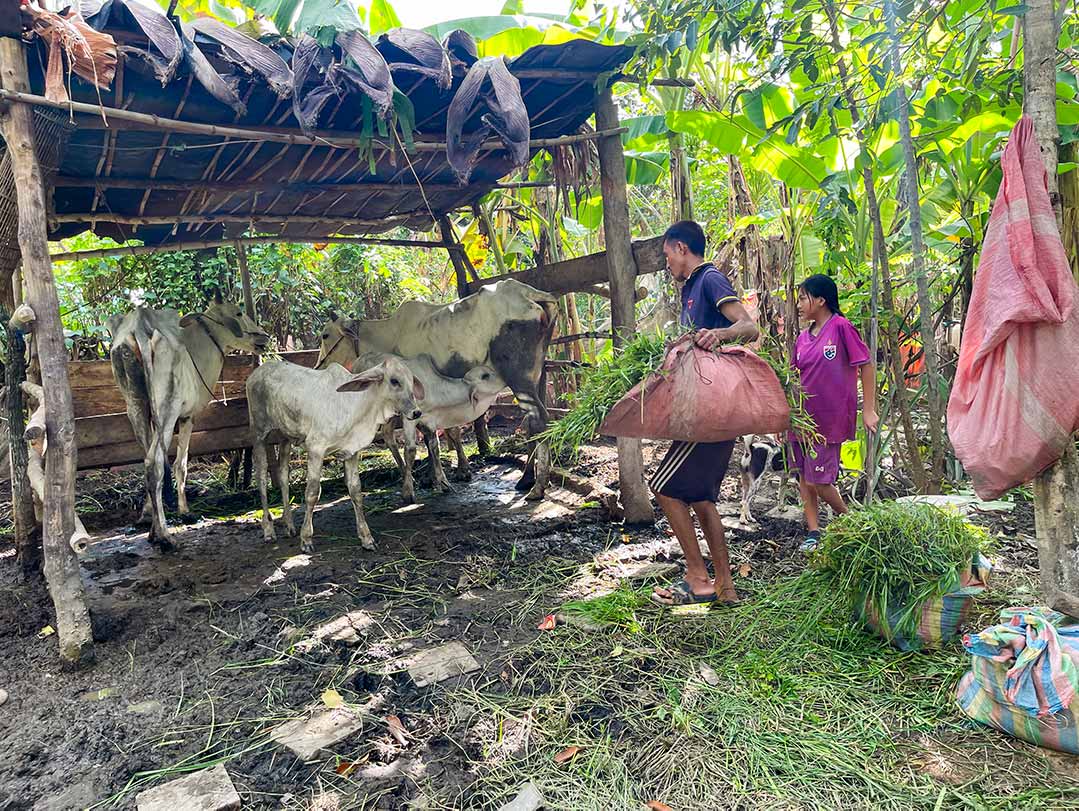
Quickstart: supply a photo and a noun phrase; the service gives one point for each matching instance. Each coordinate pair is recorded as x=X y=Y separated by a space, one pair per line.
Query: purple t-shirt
x=829 y=364
x=705 y=291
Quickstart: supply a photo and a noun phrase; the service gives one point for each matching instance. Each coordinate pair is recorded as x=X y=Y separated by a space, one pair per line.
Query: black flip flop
x=682 y=596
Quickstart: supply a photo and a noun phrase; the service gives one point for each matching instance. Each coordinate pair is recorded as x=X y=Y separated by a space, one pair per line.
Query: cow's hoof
x=407 y=499
x=291 y=530
x=535 y=494
x=307 y=546
x=162 y=543
x=442 y=487
x=462 y=475
x=269 y=535
x=368 y=544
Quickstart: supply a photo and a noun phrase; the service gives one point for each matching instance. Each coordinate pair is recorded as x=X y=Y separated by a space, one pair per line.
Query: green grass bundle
x=894 y=557
x=802 y=423
x=602 y=387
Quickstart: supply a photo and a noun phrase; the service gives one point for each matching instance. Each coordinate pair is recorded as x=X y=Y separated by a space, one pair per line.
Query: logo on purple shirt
x=830 y=351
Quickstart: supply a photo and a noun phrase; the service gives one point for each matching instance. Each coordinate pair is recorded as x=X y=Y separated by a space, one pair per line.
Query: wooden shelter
x=186 y=136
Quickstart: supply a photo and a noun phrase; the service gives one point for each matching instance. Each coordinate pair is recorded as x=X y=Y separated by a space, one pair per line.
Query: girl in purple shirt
x=830 y=356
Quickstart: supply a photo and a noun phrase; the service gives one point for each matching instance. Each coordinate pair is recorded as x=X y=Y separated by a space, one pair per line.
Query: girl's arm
x=868 y=374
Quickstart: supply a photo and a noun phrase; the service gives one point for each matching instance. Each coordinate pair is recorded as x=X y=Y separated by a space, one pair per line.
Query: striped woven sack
x=1024 y=678
x=939 y=618
x=1057 y=731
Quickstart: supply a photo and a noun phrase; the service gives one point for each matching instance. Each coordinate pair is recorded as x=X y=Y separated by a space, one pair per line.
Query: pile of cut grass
x=896 y=555
x=750 y=708
x=603 y=386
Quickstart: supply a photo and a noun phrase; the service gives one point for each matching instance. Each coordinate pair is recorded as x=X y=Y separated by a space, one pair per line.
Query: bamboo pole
x=198 y=245
x=155 y=184
x=133 y=121
x=61 y=565
x=223 y=217
x=622 y=271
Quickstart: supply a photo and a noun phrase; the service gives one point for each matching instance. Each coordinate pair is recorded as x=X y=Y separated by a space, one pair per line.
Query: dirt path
x=203 y=652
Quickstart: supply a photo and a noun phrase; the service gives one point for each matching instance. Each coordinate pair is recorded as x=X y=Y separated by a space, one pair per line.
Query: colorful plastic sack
x=702 y=396
x=1013 y=406
x=1024 y=678
x=940 y=619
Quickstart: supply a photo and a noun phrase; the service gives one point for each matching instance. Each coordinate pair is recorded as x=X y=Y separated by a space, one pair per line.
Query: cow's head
x=394 y=381
x=236 y=329
x=338 y=342
x=484 y=384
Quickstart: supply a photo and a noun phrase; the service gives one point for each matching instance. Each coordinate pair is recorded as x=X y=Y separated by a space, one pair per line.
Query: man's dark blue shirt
x=705 y=291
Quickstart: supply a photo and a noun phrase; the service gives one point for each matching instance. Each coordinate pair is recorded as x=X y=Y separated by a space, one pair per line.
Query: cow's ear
x=189 y=319
x=217 y=296
x=418 y=392
x=113 y=323
x=349 y=327
x=234 y=327
x=333 y=315
x=362 y=382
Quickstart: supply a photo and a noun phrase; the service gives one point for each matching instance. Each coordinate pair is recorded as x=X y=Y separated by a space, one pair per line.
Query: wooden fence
x=103 y=433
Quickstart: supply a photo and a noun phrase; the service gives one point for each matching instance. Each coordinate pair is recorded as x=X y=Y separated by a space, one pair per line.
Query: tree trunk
x=1056 y=492
x=61 y=565
x=921 y=278
x=880 y=254
x=622 y=271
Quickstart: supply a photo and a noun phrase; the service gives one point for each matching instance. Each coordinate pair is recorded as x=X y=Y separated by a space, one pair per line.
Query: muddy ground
x=200 y=653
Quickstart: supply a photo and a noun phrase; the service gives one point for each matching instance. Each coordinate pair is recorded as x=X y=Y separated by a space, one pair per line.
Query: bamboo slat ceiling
x=135 y=182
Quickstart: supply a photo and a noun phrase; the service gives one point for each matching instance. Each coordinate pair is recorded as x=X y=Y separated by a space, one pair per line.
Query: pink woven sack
x=1015 y=401
x=702 y=396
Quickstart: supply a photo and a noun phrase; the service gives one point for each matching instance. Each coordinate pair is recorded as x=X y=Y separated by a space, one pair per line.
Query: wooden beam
x=90 y=218
x=61 y=566
x=199 y=245
x=130 y=120
x=582 y=274
x=271 y=187
x=622 y=270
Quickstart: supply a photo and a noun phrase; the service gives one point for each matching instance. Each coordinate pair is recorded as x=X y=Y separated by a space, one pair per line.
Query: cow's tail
x=133 y=366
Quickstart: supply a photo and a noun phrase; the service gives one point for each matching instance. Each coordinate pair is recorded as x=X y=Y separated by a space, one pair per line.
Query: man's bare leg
x=712 y=526
x=681 y=521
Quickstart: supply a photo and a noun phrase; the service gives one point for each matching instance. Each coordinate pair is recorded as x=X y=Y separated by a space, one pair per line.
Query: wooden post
x=61 y=565
x=462 y=267
x=1056 y=492
x=249 y=306
x=622 y=272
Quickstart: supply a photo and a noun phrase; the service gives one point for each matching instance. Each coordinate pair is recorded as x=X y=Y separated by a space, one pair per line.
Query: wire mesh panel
x=52 y=129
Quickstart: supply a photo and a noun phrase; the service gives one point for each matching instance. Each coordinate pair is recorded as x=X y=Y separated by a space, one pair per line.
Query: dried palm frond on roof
x=574 y=167
x=91 y=55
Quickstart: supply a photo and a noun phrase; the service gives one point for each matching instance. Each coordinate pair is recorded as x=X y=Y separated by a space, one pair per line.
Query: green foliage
x=602 y=387
x=897 y=555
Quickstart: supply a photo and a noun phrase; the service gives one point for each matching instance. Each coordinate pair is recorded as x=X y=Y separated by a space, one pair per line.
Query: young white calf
x=448 y=402
x=327 y=411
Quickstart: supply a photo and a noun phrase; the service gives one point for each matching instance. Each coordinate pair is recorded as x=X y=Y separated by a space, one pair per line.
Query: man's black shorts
x=693 y=471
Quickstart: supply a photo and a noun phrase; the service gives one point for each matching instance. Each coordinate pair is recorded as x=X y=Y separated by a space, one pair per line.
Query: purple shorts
x=822 y=470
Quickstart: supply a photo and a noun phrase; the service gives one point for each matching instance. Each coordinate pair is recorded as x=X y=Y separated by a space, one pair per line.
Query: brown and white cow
x=506 y=325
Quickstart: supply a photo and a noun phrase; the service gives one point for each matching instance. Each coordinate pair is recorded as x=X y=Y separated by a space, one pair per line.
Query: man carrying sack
x=690 y=474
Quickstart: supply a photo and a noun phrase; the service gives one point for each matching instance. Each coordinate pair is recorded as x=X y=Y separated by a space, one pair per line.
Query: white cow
x=450 y=402
x=506 y=325
x=166 y=367
x=328 y=411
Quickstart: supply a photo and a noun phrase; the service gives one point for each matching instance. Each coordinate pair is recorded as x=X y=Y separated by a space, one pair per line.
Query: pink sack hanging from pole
x=702 y=396
x=1015 y=402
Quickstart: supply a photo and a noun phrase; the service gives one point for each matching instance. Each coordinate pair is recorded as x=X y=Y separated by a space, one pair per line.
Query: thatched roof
x=130 y=180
